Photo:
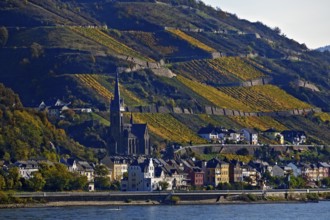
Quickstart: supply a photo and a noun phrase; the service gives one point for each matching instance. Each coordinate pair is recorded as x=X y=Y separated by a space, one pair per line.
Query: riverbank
x=112 y=198
x=118 y=204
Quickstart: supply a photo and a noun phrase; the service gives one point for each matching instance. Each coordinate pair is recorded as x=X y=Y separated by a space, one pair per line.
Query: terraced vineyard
x=260 y=123
x=203 y=71
x=106 y=40
x=191 y=40
x=219 y=71
x=130 y=98
x=89 y=81
x=168 y=128
x=265 y=98
x=235 y=66
x=214 y=95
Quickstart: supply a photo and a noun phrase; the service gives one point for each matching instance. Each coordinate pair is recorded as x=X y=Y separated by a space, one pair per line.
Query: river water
x=299 y=211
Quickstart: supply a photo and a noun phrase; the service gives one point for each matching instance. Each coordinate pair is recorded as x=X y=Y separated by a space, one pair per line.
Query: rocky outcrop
x=306 y=84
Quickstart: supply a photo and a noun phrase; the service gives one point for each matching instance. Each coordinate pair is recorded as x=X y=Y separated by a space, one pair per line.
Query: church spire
x=131 y=120
x=115 y=103
x=117 y=93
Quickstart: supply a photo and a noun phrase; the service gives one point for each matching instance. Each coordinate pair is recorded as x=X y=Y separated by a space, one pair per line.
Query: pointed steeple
x=115 y=103
x=131 y=120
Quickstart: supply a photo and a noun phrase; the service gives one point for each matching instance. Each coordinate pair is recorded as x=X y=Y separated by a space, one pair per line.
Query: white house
x=26 y=168
x=209 y=133
x=140 y=176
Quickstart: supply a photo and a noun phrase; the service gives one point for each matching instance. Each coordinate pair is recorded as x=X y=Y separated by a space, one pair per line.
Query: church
x=126 y=138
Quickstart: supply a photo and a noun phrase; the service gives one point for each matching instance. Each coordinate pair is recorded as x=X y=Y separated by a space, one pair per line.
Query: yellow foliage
x=261 y=123
x=236 y=157
x=89 y=81
x=108 y=41
x=191 y=40
x=236 y=66
x=323 y=116
x=214 y=95
x=168 y=128
x=265 y=98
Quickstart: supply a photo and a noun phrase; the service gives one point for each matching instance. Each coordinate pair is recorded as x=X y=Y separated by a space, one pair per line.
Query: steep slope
x=26 y=133
x=71 y=50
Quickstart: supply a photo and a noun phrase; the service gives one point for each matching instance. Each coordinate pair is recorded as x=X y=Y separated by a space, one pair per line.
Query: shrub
x=312 y=197
x=175 y=199
x=128 y=200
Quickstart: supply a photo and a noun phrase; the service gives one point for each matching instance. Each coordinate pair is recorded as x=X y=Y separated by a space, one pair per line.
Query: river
x=297 y=211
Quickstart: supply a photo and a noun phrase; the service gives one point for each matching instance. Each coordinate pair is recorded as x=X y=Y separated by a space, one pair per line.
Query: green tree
x=78 y=182
x=243 y=152
x=101 y=170
x=163 y=185
x=57 y=177
x=2 y=183
x=14 y=178
x=101 y=181
x=37 y=182
x=326 y=181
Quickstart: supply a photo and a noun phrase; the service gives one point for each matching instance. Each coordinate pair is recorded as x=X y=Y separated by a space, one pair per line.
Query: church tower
x=116 y=121
x=126 y=138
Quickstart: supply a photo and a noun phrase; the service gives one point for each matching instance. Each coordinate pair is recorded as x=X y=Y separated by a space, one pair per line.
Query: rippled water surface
x=206 y=212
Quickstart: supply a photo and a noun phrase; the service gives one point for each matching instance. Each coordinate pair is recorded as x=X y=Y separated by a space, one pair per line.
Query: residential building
x=141 y=176
x=277 y=171
x=310 y=172
x=296 y=171
x=294 y=137
x=117 y=165
x=235 y=172
x=195 y=174
x=82 y=167
x=209 y=133
x=250 y=136
x=273 y=134
x=216 y=172
x=229 y=136
x=250 y=175
x=27 y=168
x=324 y=169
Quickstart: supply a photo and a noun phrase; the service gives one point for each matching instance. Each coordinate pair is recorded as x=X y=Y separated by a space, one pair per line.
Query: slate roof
x=207 y=130
x=271 y=130
x=213 y=163
x=139 y=130
x=250 y=130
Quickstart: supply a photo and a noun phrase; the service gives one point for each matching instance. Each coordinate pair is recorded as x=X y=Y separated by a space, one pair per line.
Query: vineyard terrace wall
x=211 y=110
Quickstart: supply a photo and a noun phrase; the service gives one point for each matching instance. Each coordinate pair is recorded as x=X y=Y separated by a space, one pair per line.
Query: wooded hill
x=171 y=53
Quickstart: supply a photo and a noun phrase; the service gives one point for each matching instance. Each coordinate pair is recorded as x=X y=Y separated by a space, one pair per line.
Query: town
x=229 y=160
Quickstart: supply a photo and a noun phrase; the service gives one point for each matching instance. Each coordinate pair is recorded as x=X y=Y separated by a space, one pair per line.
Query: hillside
x=178 y=56
x=28 y=134
x=323 y=49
